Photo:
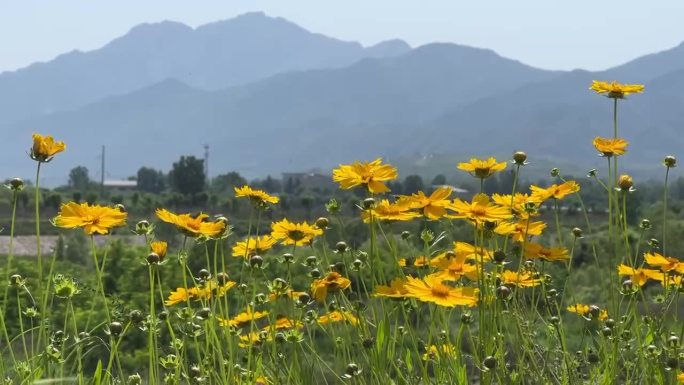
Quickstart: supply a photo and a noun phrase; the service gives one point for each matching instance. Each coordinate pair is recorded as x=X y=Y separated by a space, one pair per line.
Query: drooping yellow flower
x=289 y=293
x=433 y=206
x=243 y=318
x=639 y=276
x=386 y=211
x=193 y=226
x=666 y=264
x=282 y=322
x=254 y=339
x=394 y=290
x=516 y=204
x=332 y=282
x=614 y=89
x=180 y=295
x=535 y=250
x=521 y=229
x=92 y=219
x=253 y=246
x=555 y=191
x=482 y=169
x=480 y=210
x=294 y=233
x=522 y=279
x=256 y=196
x=433 y=290
x=610 y=146
x=338 y=316
x=584 y=310
x=370 y=174
x=434 y=352
x=45 y=147
x=159 y=248
x=465 y=250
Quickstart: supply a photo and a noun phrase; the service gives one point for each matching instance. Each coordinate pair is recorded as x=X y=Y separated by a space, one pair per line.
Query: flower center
x=482 y=172
x=440 y=291
x=478 y=211
x=295 y=235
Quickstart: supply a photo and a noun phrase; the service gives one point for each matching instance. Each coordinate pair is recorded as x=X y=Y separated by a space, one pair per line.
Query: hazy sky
x=544 y=33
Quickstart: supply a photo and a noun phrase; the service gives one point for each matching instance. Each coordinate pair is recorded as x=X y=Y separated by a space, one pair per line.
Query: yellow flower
x=615 y=90
x=639 y=276
x=420 y=261
x=610 y=146
x=180 y=295
x=253 y=246
x=465 y=250
x=283 y=322
x=516 y=204
x=93 y=219
x=536 y=251
x=482 y=168
x=338 y=316
x=330 y=283
x=555 y=191
x=433 y=206
x=394 y=290
x=666 y=264
x=434 y=351
x=45 y=147
x=433 y=290
x=522 y=279
x=289 y=293
x=256 y=196
x=205 y=292
x=159 y=248
x=254 y=339
x=294 y=233
x=243 y=318
x=193 y=226
x=371 y=174
x=454 y=268
x=386 y=211
x=583 y=310
x=521 y=229
x=479 y=211
x=626 y=183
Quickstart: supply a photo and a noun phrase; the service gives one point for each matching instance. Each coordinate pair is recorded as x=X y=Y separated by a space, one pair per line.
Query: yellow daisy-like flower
x=616 y=90
x=433 y=352
x=180 y=295
x=386 y=211
x=254 y=339
x=432 y=289
x=253 y=246
x=518 y=231
x=282 y=322
x=256 y=196
x=522 y=279
x=639 y=276
x=482 y=169
x=394 y=290
x=480 y=210
x=332 y=282
x=371 y=174
x=193 y=226
x=433 y=206
x=465 y=250
x=338 y=316
x=516 y=204
x=584 y=310
x=555 y=191
x=666 y=264
x=45 y=147
x=610 y=146
x=289 y=293
x=453 y=269
x=420 y=261
x=92 y=219
x=294 y=233
x=205 y=292
x=243 y=318
x=535 y=250
x=159 y=248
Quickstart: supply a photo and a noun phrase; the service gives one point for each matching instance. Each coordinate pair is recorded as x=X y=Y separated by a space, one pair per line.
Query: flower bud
x=256 y=261
x=673 y=341
x=466 y=318
x=135 y=316
x=520 y=158
x=595 y=311
x=204 y=313
x=555 y=320
x=120 y=207
x=222 y=278
x=405 y=234
x=625 y=182
x=153 y=258
x=577 y=232
x=288 y=258
x=315 y=273
x=322 y=223
x=134 y=379
x=503 y=292
x=204 y=275
x=16 y=280
x=311 y=261
x=499 y=256
x=670 y=161
x=489 y=362
x=143 y=227
x=115 y=328
x=341 y=247
x=555 y=172
x=16 y=184
x=368 y=203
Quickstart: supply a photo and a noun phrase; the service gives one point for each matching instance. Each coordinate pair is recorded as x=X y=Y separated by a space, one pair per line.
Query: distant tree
x=439 y=180
x=150 y=180
x=412 y=184
x=187 y=175
x=79 y=179
x=271 y=185
x=226 y=182
x=53 y=201
x=291 y=185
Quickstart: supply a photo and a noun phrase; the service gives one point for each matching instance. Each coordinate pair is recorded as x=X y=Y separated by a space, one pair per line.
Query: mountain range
x=268 y=96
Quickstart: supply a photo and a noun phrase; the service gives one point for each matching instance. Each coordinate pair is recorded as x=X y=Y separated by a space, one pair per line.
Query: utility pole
x=102 y=172
x=206 y=163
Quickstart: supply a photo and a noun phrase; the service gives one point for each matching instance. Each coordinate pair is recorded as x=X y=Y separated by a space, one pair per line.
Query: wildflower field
x=427 y=288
